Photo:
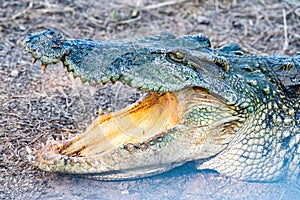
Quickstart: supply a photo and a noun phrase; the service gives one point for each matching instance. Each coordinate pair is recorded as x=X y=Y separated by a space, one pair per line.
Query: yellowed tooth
x=100 y=111
x=47 y=169
x=74 y=160
x=50 y=141
x=33 y=60
x=44 y=66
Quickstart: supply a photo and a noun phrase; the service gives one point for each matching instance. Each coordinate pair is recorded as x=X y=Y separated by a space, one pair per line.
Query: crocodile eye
x=176 y=56
x=238 y=53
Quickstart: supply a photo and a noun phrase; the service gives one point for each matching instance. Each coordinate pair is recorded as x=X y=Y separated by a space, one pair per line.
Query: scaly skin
x=226 y=110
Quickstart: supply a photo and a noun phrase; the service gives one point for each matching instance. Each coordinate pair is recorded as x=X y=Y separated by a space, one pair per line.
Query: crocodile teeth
x=69 y=135
x=50 y=141
x=30 y=157
x=33 y=60
x=44 y=66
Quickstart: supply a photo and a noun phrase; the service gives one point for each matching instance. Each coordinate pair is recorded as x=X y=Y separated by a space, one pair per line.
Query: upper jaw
x=155 y=64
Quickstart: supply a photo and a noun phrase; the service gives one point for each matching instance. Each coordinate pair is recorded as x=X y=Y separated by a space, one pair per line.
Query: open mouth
x=140 y=130
x=132 y=127
x=136 y=128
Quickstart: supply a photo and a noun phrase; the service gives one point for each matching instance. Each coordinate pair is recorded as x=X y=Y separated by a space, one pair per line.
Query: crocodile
x=221 y=109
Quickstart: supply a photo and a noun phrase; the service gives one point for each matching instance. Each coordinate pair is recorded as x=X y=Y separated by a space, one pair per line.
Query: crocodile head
x=204 y=105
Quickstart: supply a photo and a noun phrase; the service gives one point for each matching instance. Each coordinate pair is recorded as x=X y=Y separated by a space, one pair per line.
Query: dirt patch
x=37 y=106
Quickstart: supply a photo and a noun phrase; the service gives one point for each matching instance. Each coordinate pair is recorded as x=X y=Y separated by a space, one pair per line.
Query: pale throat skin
x=224 y=109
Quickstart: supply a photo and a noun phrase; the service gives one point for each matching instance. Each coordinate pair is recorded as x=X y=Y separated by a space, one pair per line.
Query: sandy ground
x=35 y=106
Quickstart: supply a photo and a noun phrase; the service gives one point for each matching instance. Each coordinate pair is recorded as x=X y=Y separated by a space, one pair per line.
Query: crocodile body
x=227 y=110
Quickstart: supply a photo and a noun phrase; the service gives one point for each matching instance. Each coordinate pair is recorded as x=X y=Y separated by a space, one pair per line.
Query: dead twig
x=163 y=4
x=150 y=7
x=286 y=42
x=23 y=11
x=130 y=20
x=29 y=11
